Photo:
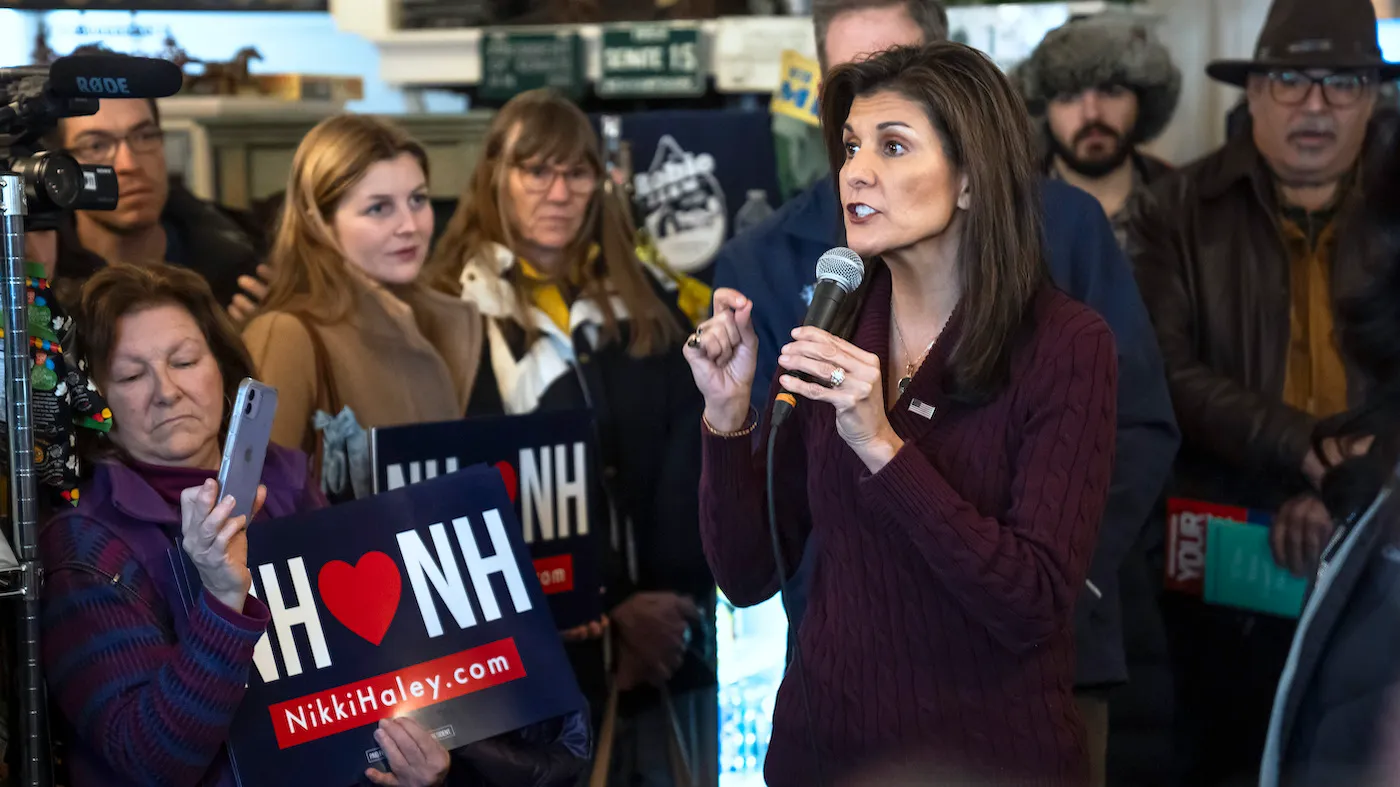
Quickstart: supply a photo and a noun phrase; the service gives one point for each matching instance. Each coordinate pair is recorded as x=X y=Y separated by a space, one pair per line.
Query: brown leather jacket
x=1214 y=272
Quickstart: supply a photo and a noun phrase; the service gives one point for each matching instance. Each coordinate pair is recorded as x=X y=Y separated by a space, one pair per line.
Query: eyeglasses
x=1341 y=89
x=97 y=148
x=539 y=178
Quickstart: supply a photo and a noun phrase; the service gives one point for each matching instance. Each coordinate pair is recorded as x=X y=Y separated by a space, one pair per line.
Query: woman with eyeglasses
x=575 y=320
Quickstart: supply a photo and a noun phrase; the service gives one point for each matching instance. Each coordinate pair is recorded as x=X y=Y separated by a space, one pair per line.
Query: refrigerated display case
x=752 y=655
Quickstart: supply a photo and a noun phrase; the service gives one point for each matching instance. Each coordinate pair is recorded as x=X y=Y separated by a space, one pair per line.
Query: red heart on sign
x=508 y=475
x=363 y=597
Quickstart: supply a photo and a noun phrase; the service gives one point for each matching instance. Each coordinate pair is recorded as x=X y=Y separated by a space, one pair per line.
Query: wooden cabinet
x=238 y=151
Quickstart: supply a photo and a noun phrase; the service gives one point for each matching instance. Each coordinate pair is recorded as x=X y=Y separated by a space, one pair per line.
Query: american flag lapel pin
x=921 y=408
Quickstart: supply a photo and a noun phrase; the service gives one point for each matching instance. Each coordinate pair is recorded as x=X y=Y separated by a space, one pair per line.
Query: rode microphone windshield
x=114 y=76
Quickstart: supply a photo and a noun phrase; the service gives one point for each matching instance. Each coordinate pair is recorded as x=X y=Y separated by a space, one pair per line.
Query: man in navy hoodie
x=774 y=266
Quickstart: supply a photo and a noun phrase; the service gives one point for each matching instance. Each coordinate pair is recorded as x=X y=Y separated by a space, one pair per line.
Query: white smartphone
x=245 y=447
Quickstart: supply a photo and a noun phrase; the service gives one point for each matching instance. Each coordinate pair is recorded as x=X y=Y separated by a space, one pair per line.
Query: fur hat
x=1105 y=49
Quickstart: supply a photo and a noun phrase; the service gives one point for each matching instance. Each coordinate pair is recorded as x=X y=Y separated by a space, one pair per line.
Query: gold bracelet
x=751 y=417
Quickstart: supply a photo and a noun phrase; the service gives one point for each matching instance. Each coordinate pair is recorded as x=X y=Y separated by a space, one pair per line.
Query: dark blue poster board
x=693 y=172
x=419 y=602
x=549 y=466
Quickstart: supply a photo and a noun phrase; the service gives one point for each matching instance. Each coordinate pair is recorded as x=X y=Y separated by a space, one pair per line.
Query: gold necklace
x=912 y=366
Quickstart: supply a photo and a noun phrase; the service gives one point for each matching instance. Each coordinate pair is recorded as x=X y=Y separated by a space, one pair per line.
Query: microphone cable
x=783 y=593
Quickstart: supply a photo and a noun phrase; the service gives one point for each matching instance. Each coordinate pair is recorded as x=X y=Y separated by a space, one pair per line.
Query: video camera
x=37 y=187
x=32 y=101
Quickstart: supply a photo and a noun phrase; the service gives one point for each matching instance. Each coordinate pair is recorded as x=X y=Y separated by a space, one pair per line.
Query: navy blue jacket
x=774 y=263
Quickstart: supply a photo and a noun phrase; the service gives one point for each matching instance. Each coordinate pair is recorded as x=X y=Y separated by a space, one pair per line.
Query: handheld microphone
x=114 y=76
x=839 y=273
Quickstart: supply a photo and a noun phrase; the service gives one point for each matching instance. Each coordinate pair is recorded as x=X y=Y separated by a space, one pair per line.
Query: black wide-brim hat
x=1304 y=34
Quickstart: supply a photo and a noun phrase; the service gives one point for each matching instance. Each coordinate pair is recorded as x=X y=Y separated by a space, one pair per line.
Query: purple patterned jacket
x=146 y=698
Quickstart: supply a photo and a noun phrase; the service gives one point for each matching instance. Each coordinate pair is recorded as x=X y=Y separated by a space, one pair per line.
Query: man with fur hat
x=1101 y=86
x=1237 y=258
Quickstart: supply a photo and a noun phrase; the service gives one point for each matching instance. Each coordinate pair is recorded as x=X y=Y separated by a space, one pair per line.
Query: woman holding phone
x=146 y=693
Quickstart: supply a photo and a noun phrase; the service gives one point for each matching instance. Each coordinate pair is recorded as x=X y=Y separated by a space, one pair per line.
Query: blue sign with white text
x=420 y=602
x=547 y=463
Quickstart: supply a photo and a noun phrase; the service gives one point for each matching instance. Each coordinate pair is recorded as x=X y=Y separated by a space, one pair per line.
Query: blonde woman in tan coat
x=348 y=334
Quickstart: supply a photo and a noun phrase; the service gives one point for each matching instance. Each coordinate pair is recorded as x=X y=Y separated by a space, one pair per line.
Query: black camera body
x=54 y=182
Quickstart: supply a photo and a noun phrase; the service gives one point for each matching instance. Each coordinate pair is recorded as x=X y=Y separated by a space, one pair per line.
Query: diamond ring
x=838 y=376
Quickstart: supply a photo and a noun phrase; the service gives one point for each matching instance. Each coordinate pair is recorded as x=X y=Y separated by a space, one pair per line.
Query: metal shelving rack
x=22 y=583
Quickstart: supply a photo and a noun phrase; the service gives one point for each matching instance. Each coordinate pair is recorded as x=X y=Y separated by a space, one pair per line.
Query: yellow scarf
x=692 y=296
x=546 y=295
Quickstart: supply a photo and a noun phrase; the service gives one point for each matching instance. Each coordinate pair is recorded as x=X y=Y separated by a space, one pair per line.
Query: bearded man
x=1102 y=87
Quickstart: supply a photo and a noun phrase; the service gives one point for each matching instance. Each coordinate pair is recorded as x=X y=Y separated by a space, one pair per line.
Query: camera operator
x=157 y=218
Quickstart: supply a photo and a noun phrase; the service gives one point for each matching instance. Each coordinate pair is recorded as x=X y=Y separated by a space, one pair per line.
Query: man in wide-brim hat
x=1240 y=257
x=1101 y=86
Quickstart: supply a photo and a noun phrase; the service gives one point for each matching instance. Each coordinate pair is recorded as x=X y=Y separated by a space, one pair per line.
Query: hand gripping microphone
x=839 y=273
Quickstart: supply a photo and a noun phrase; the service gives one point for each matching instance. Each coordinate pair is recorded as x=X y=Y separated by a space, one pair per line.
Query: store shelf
x=742 y=54
x=200 y=107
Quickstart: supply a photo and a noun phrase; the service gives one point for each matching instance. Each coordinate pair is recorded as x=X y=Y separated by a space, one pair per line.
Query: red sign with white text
x=384 y=696
x=556 y=573
x=1187 y=522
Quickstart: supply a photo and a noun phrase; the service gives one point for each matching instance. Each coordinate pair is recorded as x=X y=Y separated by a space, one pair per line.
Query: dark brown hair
x=308 y=267
x=929 y=15
x=119 y=290
x=986 y=136
x=541 y=126
x=1368 y=320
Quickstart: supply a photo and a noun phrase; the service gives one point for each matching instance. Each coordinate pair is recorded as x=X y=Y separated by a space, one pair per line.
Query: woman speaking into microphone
x=954 y=460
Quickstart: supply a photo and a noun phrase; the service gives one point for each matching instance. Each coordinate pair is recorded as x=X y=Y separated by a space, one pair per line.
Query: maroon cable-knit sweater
x=939 y=628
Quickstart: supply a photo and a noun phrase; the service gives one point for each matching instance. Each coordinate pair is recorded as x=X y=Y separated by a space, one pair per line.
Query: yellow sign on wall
x=796 y=96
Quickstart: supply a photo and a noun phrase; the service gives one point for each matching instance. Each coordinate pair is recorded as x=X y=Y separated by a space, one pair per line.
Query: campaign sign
x=547 y=463
x=419 y=602
x=1188 y=523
